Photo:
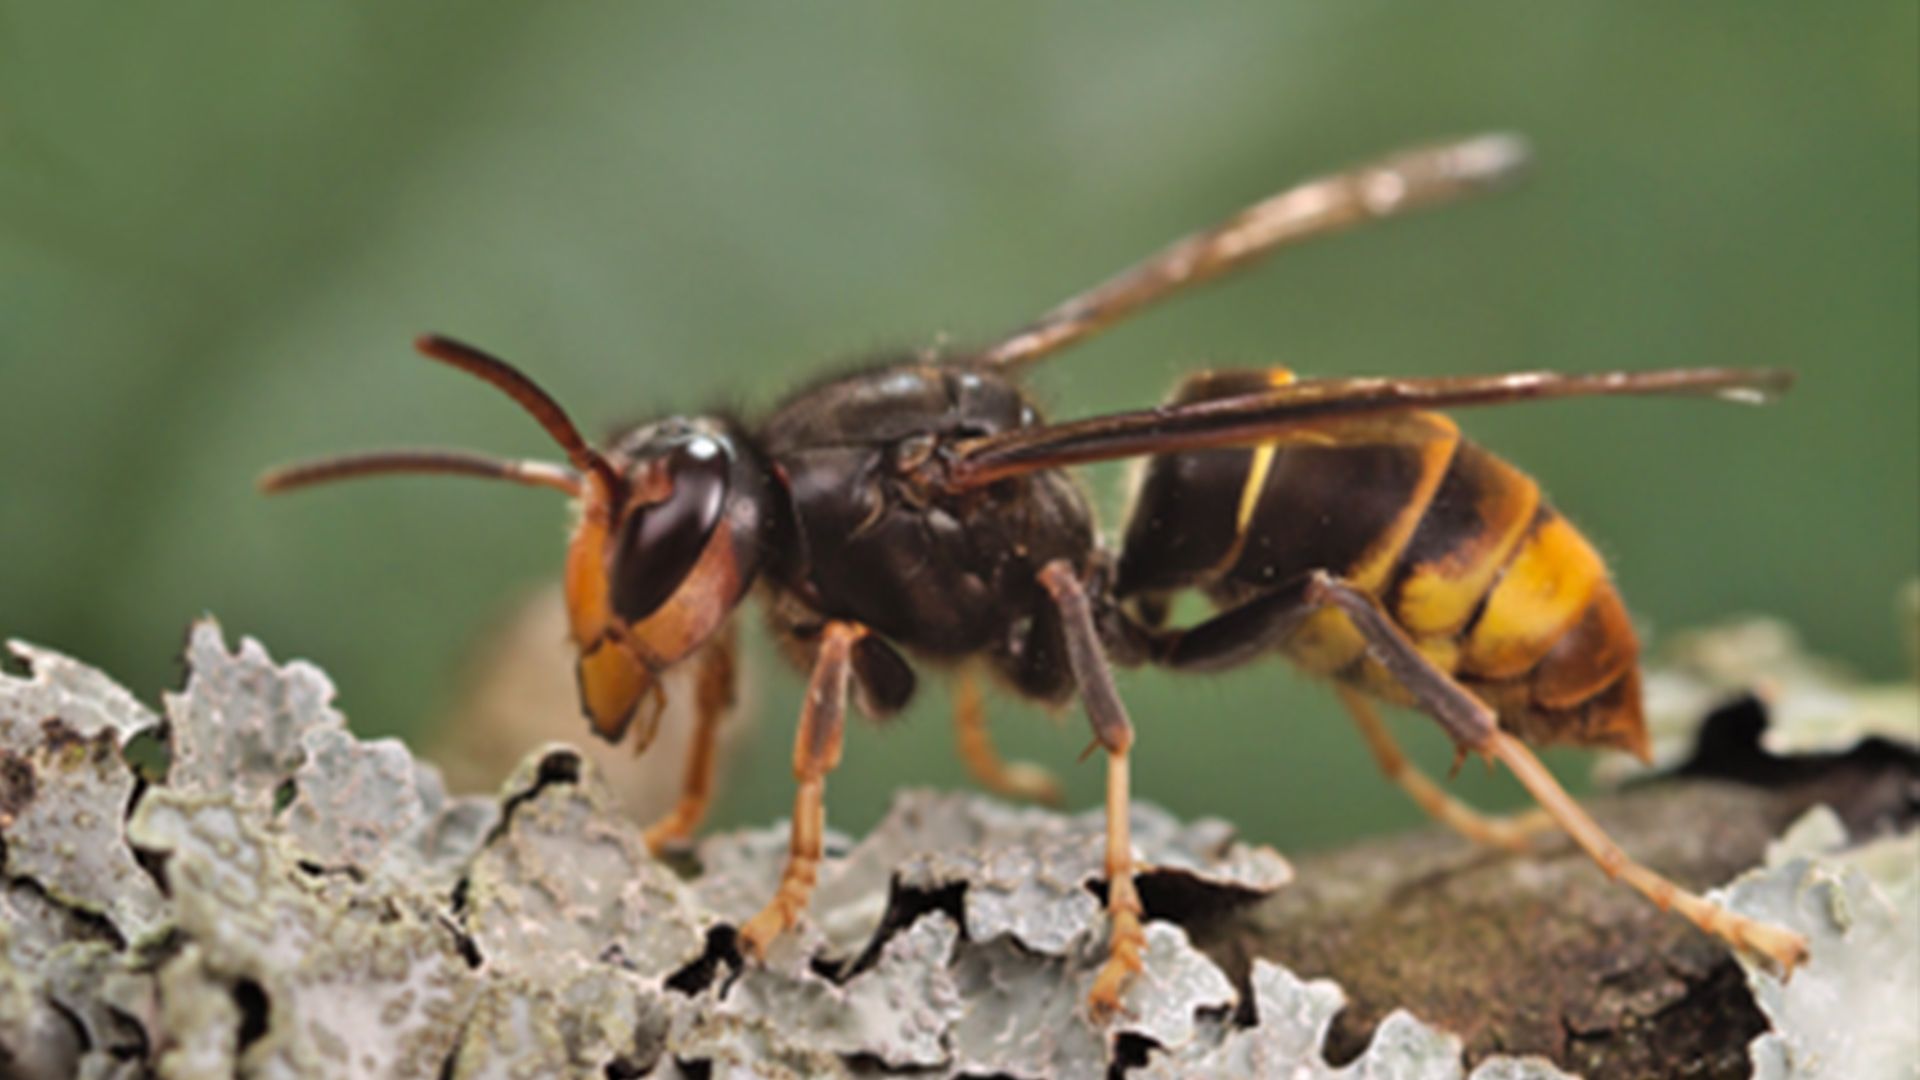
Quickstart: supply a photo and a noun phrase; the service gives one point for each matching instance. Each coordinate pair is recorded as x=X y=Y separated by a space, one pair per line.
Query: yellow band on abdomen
x=1545 y=590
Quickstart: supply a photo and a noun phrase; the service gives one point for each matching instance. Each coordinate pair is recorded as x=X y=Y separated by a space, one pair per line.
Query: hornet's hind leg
x=1513 y=834
x=1254 y=629
x=1461 y=712
x=1258 y=625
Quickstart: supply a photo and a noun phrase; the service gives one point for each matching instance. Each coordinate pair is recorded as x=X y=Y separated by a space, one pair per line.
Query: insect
x=921 y=509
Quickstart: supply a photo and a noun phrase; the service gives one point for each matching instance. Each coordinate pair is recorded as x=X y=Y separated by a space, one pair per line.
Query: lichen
x=239 y=727
x=1292 y=1030
x=567 y=879
x=64 y=787
x=333 y=975
x=1850 y=1012
x=371 y=806
x=289 y=900
x=898 y=1013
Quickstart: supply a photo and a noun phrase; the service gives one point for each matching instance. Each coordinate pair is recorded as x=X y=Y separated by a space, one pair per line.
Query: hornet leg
x=1127 y=939
x=1256 y=628
x=713 y=696
x=1014 y=779
x=1511 y=833
x=1473 y=728
x=816 y=750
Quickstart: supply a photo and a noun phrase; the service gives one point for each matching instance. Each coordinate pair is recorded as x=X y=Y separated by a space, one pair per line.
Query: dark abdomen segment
x=1491 y=584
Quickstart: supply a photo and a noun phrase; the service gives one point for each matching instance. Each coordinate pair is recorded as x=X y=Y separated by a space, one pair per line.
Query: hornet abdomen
x=1459 y=548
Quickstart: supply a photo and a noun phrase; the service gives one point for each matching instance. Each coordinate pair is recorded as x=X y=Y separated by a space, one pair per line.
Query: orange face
x=654 y=569
x=667 y=543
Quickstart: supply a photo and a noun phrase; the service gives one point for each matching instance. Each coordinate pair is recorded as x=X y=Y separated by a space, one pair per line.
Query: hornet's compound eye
x=658 y=544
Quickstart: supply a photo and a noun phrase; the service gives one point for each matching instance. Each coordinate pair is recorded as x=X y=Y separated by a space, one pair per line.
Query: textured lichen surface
x=1855 y=1010
x=289 y=900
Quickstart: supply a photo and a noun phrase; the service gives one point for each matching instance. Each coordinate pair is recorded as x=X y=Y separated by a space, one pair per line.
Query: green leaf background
x=220 y=224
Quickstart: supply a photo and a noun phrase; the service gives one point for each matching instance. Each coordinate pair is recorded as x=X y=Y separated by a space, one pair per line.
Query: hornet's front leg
x=715 y=682
x=816 y=751
x=1127 y=939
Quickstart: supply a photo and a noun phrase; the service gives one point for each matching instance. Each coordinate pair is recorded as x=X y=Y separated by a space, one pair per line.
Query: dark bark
x=1543 y=955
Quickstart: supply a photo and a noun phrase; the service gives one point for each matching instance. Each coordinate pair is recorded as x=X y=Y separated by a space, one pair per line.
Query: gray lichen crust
x=1288 y=1041
x=64 y=788
x=289 y=900
x=1855 y=1010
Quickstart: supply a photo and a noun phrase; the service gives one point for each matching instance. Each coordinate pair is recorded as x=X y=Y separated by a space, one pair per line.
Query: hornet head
x=666 y=542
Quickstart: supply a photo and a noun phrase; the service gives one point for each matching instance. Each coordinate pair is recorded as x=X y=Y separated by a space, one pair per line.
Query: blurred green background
x=220 y=224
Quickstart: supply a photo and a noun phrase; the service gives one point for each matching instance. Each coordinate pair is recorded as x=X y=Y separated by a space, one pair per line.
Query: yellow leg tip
x=1518 y=835
x=1028 y=782
x=759 y=933
x=753 y=940
x=1512 y=841
x=1103 y=1001
x=1124 y=961
x=664 y=836
x=1782 y=948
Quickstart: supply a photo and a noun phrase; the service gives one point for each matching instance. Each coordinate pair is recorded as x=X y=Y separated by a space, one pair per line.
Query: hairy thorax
x=876 y=540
